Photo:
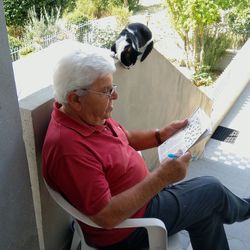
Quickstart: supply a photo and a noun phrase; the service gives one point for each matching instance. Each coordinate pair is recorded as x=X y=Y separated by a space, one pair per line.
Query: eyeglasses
x=108 y=92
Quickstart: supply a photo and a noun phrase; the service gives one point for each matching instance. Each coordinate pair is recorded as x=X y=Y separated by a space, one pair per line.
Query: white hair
x=79 y=68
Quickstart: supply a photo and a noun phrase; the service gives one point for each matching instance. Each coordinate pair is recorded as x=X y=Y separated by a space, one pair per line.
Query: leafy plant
x=216 y=42
x=105 y=37
x=16 y=12
x=14 y=42
x=102 y=7
x=199 y=24
x=203 y=76
x=238 y=19
x=122 y=14
x=37 y=28
x=26 y=50
x=130 y=4
x=76 y=17
x=190 y=17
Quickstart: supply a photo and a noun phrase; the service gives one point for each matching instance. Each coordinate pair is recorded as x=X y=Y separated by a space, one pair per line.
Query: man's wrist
x=158 y=136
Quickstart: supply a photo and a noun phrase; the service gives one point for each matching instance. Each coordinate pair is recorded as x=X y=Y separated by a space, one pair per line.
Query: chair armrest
x=157 y=233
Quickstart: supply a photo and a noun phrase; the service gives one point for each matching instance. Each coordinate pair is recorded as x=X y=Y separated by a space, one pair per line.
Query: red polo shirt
x=89 y=165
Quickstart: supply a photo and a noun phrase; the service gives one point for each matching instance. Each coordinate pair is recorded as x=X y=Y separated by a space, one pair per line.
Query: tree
x=16 y=12
x=193 y=18
x=190 y=18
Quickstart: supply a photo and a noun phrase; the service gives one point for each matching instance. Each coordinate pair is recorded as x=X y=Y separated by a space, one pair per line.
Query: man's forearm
x=141 y=140
x=125 y=204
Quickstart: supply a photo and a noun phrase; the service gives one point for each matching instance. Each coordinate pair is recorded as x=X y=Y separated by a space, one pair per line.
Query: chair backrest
x=69 y=208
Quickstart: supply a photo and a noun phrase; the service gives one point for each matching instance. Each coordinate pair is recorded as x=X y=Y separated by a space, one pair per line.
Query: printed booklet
x=199 y=126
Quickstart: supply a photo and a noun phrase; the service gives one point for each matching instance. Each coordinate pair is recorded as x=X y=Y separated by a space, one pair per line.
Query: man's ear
x=74 y=101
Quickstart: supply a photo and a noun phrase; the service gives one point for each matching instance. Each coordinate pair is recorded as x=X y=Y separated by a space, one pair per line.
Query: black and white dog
x=135 y=40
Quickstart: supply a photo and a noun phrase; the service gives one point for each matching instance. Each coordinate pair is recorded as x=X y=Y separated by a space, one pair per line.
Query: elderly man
x=93 y=161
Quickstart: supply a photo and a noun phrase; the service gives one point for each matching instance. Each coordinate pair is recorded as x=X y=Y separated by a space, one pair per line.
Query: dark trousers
x=201 y=206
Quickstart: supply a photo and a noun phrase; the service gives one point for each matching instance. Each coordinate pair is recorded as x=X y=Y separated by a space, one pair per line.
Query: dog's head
x=126 y=53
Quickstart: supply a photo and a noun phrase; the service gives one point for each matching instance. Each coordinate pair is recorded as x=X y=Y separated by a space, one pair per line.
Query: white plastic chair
x=157 y=233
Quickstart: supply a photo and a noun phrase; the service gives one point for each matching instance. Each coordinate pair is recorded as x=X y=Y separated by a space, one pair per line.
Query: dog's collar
x=124 y=66
x=148 y=42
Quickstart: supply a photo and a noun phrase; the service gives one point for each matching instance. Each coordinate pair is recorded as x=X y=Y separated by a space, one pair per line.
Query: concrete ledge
x=53 y=224
x=230 y=84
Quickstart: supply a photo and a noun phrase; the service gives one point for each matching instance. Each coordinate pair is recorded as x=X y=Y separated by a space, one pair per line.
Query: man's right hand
x=125 y=204
x=174 y=170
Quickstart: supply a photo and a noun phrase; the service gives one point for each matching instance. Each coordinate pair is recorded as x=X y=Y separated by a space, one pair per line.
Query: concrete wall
x=53 y=224
x=152 y=94
x=18 y=224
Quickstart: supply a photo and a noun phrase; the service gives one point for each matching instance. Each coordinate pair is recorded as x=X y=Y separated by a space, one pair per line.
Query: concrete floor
x=230 y=163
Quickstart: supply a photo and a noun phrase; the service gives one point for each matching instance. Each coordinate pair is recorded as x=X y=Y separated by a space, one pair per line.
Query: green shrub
x=16 y=11
x=26 y=50
x=238 y=20
x=84 y=8
x=14 y=42
x=15 y=31
x=203 y=76
x=122 y=14
x=76 y=17
x=37 y=28
x=82 y=12
x=102 y=8
x=216 y=42
x=131 y=4
x=105 y=37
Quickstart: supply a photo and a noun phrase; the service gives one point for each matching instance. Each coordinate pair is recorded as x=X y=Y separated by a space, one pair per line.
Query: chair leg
x=76 y=240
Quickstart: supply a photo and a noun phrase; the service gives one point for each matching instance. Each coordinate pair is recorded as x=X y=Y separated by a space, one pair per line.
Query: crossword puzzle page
x=199 y=126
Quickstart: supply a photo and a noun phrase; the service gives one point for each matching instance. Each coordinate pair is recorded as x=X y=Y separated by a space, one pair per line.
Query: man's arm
x=141 y=140
x=125 y=204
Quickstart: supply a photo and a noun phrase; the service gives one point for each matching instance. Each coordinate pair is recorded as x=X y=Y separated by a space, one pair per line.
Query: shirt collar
x=82 y=128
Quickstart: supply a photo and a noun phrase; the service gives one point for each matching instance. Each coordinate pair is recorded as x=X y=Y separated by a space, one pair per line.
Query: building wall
x=18 y=224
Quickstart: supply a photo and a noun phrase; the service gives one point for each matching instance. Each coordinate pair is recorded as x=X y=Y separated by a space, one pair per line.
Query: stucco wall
x=154 y=93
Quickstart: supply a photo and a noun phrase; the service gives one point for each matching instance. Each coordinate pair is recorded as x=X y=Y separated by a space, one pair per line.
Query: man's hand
x=171 y=171
x=125 y=204
x=172 y=128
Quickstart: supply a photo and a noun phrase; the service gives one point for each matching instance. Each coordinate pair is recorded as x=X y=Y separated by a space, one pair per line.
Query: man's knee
x=211 y=180
x=213 y=184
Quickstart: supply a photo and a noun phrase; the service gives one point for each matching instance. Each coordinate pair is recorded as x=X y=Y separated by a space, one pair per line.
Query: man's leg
x=200 y=206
